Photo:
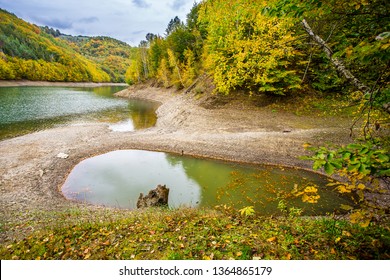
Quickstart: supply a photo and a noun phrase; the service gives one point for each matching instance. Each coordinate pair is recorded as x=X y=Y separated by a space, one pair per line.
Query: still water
x=117 y=178
x=28 y=109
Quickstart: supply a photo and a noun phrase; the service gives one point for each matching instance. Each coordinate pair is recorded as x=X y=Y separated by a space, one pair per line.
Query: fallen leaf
x=272 y=239
x=346 y=233
x=313 y=251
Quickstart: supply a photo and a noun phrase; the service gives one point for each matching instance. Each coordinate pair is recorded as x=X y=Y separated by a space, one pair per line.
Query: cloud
x=178 y=4
x=89 y=20
x=54 y=22
x=121 y=19
x=138 y=32
x=141 y=4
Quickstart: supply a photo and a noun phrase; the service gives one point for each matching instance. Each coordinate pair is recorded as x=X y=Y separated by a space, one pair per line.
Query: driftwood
x=156 y=197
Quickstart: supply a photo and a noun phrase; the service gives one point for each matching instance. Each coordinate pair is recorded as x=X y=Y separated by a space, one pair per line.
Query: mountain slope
x=112 y=55
x=27 y=52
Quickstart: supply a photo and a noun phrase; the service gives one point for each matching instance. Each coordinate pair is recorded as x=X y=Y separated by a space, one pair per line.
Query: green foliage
x=172 y=60
x=260 y=46
x=247 y=211
x=367 y=158
x=356 y=32
x=362 y=165
x=290 y=212
x=27 y=52
x=112 y=55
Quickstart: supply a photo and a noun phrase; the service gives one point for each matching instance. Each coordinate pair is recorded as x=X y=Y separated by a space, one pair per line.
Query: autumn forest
x=293 y=70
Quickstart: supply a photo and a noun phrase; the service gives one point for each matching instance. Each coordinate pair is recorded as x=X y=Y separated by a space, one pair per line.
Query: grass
x=312 y=105
x=201 y=234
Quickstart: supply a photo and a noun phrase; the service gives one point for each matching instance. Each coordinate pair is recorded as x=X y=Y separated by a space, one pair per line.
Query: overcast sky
x=126 y=20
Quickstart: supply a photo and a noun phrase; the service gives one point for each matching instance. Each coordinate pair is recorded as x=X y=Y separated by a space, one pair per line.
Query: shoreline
x=27 y=83
x=31 y=174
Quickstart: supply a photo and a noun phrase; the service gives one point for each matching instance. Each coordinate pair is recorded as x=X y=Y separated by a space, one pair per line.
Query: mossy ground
x=200 y=234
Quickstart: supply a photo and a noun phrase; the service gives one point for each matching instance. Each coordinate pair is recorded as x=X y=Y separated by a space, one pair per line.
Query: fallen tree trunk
x=340 y=67
x=338 y=64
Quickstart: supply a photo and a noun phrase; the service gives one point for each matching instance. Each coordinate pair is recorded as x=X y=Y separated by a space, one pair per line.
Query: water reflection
x=28 y=109
x=141 y=114
x=117 y=178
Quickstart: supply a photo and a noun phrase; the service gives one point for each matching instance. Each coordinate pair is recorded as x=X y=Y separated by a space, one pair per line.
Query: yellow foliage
x=309 y=193
x=163 y=73
x=245 y=48
x=360 y=217
x=189 y=69
x=175 y=65
x=48 y=59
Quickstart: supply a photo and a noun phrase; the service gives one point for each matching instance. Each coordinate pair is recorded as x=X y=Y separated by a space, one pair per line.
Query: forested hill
x=33 y=53
x=274 y=47
x=112 y=55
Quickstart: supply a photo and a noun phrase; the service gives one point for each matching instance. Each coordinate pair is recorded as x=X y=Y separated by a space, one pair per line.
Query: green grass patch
x=196 y=234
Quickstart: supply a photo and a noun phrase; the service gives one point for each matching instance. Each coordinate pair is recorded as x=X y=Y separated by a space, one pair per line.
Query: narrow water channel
x=117 y=178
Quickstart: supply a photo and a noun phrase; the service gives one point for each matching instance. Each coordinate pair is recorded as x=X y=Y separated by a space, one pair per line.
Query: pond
x=28 y=109
x=117 y=178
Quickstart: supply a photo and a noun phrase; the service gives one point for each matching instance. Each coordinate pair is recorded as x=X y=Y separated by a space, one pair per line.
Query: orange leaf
x=272 y=239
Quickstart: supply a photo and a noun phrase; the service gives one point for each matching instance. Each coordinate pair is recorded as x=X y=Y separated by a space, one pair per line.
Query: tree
x=353 y=37
x=173 y=25
x=247 y=49
x=150 y=37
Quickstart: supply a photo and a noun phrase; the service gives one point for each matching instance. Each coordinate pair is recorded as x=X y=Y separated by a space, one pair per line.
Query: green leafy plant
x=361 y=165
x=247 y=211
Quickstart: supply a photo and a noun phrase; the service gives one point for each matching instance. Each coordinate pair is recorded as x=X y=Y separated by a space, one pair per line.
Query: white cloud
x=141 y=3
x=126 y=20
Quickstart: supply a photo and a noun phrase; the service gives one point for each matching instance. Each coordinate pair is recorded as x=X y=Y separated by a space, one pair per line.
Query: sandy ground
x=31 y=174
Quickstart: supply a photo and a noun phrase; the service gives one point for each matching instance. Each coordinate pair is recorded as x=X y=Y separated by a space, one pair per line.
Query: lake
x=27 y=109
x=117 y=178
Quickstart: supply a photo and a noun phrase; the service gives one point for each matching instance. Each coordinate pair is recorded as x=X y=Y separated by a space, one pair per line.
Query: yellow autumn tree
x=177 y=72
x=189 y=68
x=248 y=49
x=163 y=73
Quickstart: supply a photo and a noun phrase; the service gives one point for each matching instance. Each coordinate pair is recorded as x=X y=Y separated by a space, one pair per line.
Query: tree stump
x=156 y=197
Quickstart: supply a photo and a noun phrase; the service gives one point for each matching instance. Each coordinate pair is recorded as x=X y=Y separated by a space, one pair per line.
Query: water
x=117 y=178
x=28 y=109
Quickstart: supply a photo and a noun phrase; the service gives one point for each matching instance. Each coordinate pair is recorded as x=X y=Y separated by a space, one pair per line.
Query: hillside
x=29 y=52
x=112 y=55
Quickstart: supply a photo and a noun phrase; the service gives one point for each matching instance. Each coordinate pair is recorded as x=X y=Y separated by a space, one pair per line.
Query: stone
x=62 y=155
x=155 y=198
